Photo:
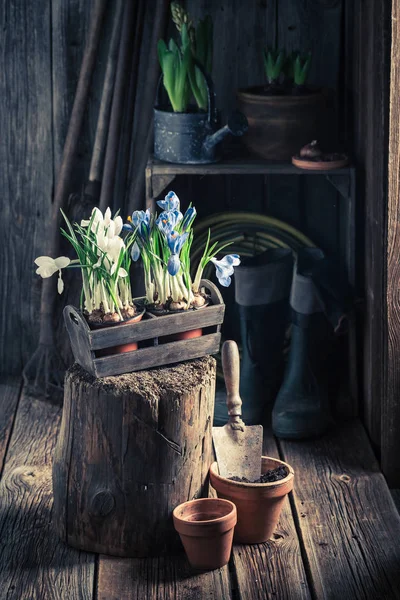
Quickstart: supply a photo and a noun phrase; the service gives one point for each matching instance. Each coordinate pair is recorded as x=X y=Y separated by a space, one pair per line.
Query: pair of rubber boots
x=270 y=294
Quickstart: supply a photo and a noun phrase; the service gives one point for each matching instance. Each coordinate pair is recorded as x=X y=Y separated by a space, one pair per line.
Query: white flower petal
x=107 y=216
x=113 y=268
x=47 y=271
x=118 y=222
x=60 y=285
x=62 y=261
x=98 y=215
x=42 y=261
x=111 y=230
x=84 y=223
x=122 y=273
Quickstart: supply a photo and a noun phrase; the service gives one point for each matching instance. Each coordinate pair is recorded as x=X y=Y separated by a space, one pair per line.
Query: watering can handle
x=231 y=368
x=210 y=91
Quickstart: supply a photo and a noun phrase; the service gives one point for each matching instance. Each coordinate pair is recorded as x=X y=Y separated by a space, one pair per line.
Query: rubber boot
x=262 y=289
x=319 y=298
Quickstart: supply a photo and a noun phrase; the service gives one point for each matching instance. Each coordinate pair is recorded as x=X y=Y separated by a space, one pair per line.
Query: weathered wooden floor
x=338 y=537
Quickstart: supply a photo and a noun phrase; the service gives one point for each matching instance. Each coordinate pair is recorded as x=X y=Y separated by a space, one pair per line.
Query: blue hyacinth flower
x=224 y=268
x=176 y=241
x=167 y=221
x=170 y=202
x=138 y=217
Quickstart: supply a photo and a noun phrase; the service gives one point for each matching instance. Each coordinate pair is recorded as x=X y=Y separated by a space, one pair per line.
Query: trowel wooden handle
x=231 y=368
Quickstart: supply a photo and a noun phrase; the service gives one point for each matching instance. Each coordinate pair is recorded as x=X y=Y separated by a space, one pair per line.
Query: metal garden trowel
x=238 y=448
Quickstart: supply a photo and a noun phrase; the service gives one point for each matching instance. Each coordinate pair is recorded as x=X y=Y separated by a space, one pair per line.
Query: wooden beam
x=33 y=562
x=390 y=428
x=346 y=517
x=368 y=104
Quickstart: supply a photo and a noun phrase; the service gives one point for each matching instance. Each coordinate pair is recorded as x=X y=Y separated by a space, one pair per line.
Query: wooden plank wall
x=367 y=99
x=390 y=401
x=26 y=173
x=41 y=65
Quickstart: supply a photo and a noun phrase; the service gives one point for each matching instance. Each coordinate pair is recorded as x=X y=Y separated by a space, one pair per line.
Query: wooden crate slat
x=160 y=326
x=164 y=354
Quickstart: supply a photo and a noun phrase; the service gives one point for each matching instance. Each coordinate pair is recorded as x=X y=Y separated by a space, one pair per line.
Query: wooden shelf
x=159 y=174
x=238 y=166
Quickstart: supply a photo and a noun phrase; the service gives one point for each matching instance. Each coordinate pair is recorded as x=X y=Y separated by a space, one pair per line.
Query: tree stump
x=130 y=449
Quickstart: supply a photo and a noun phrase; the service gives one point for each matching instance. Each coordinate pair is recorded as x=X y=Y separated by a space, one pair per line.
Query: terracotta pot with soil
x=281 y=123
x=258 y=504
x=99 y=320
x=206 y=527
x=201 y=301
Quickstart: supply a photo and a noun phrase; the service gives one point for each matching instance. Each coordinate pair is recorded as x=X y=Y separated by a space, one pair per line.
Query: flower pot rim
x=94 y=326
x=166 y=109
x=267 y=485
x=206 y=524
x=254 y=93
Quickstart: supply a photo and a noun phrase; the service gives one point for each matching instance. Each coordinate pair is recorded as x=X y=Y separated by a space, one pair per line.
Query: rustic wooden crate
x=85 y=341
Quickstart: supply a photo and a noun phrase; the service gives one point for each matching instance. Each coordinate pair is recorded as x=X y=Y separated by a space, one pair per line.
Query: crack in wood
x=176 y=447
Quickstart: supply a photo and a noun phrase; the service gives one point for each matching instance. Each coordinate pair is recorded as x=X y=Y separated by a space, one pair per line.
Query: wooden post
x=390 y=420
x=131 y=448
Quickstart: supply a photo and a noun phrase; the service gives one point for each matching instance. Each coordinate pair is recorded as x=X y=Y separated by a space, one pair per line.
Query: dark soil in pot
x=271 y=475
x=258 y=504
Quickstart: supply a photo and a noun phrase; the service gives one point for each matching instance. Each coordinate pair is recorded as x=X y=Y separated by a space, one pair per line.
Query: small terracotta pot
x=258 y=504
x=205 y=527
x=121 y=348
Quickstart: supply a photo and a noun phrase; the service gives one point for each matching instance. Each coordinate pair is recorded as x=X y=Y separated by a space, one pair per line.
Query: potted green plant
x=104 y=259
x=285 y=113
x=185 y=131
x=164 y=241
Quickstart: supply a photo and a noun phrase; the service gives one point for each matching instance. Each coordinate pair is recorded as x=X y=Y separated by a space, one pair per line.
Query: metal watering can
x=193 y=137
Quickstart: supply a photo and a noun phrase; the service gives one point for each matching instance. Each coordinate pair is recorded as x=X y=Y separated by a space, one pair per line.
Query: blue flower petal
x=225 y=281
x=174 y=264
x=176 y=241
x=189 y=217
x=170 y=202
x=135 y=252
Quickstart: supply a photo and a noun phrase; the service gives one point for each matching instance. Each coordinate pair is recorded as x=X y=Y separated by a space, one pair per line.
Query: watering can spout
x=237 y=125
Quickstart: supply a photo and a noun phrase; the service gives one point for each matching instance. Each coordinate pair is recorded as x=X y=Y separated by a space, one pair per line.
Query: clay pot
x=121 y=348
x=205 y=527
x=183 y=335
x=258 y=504
x=281 y=124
